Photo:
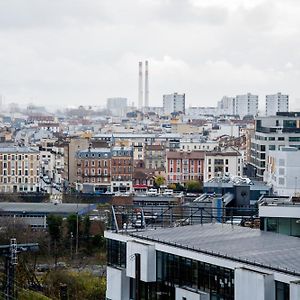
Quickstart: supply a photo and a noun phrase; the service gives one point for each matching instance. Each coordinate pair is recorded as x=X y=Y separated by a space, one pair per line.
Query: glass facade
x=282 y=290
x=287 y=226
x=176 y=271
x=116 y=253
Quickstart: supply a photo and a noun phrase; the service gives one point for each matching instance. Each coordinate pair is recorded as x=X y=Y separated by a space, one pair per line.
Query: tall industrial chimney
x=146 y=85
x=140 y=101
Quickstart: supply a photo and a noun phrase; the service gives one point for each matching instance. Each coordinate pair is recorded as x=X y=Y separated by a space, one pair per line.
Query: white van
x=152 y=192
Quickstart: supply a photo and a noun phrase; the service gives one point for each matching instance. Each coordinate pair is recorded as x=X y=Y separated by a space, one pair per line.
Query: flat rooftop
x=44 y=208
x=251 y=246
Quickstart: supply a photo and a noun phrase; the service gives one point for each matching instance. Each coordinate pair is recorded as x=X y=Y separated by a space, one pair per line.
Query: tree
x=55 y=231
x=72 y=223
x=193 y=186
x=172 y=186
x=54 y=227
x=159 y=181
x=86 y=227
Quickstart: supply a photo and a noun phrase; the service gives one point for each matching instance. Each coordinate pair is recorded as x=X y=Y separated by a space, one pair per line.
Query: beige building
x=19 y=169
x=70 y=163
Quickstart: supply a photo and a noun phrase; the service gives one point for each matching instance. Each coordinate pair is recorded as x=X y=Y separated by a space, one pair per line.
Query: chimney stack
x=140 y=100
x=146 y=85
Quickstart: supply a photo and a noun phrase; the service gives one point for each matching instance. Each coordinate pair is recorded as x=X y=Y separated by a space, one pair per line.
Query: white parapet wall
x=295 y=290
x=117 y=284
x=148 y=260
x=250 y=285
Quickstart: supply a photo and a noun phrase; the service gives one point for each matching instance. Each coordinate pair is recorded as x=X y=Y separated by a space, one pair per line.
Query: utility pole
x=71 y=237
x=77 y=231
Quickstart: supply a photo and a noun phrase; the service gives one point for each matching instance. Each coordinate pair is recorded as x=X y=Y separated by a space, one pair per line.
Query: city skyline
x=62 y=54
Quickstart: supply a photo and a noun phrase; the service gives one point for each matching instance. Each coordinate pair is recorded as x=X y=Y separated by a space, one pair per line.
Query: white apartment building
x=272 y=133
x=246 y=105
x=19 y=169
x=226 y=106
x=174 y=103
x=283 y=171
x=276 y=103
x=117 y=106
x=220 y=163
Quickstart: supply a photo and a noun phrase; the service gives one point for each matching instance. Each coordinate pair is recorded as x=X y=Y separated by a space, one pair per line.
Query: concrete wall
x=295 y=290
x=148 y=260
x=250 y=284
x=117 y=287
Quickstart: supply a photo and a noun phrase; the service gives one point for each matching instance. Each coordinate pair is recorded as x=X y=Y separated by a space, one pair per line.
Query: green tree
x=86 y=227
x=55 y=230
x=172 y=186
x=54 y=227
x=193 y=186
x=159 y=181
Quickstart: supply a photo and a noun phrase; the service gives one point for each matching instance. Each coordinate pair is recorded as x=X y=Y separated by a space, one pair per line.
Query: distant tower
x=140 y=101
x=146 y=85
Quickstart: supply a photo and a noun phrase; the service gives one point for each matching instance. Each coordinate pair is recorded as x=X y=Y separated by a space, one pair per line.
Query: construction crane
x=10 y=253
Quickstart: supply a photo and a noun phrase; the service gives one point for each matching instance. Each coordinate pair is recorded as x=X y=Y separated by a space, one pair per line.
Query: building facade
x=117 y=106
x=220 y=163
x=203 y=262
x=246 y=105
x=174 y=103
x=155 y=157
x=226 y=106
x=272 y=133
x=121 y=169
x=276 y=103
x=184 y=166
x=19 y=169
x=283 y=171
x=94 y=167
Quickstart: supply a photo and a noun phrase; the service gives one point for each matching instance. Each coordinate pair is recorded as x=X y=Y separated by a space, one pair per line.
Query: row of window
x=17 y=180
x=17 y=157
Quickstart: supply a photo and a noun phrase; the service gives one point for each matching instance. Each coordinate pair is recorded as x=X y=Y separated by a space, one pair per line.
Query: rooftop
x=251 y=246
x=46 y=208
x=18 y=150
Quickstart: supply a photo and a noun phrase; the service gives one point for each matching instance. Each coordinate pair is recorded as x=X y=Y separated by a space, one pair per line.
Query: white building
x=272 y=133
x=226 y=106
x=202 y=262
x=117 y=106
x=197 y=111
x=283 y=171
x=174 y=103
x=276 y=103
x=246 y=105
x=220 y=163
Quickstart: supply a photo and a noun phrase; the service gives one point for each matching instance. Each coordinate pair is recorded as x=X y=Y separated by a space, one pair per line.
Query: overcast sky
x=72 y=52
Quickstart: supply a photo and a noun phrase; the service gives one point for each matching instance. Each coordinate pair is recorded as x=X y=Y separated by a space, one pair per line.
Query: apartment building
x=226 y=106
x=184 y=166
x=246 y=105
x=174 y=103
x=121 y=168
x=273 y=133
x=226 y=162
x=71 y=147
x=283 y=171
x=94 y=167
x=19 y=169
x=276 y=103
x=155 y=157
